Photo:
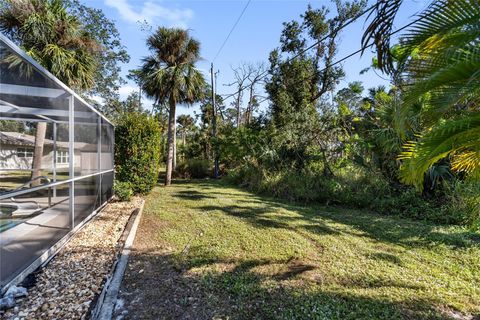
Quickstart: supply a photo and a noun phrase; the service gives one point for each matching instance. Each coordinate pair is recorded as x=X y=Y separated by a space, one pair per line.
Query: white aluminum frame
x=45 y=72
x=41 y=115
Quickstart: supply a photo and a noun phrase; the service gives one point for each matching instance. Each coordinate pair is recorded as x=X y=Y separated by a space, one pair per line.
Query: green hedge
x=137 y=151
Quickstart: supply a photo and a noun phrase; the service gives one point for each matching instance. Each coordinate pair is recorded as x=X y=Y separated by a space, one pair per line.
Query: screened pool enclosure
x=56 y=163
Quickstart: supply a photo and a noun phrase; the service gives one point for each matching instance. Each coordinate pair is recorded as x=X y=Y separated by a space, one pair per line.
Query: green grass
x=11 y=180
x=256 y=257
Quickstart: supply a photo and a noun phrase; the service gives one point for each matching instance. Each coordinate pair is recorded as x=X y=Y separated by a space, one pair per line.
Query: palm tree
x=53 y=37
x=169 y=75
x=57 y=41
x=439 y=64
x=185 y=123
x=445 y=76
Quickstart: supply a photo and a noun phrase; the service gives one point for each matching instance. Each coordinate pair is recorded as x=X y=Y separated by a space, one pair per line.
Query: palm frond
x=53 y=37
x=454 y=83
x=169 y=72
x=441 y=18
x=458 y=140
x=442 y=70
x=379 y=31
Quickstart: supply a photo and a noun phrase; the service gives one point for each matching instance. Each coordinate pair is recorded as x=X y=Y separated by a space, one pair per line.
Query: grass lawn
x=11 y=180
x=208 y=250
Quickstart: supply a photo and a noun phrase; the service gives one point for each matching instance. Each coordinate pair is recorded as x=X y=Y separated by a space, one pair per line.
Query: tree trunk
x=327 y=171
x=171 y=142
x=250 y=104
x=238 y=107
x=174 y=149
x=38 y=152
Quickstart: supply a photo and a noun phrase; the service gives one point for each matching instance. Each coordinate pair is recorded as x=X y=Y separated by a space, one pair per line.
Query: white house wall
x=86 y=162
x=10 y=161
x=47 y=162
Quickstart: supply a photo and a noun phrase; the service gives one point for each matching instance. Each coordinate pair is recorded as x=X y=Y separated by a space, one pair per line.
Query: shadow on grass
x=390 y=229
x=239 y=291
x=388 y=257
x=192 y=195
x=195 y=282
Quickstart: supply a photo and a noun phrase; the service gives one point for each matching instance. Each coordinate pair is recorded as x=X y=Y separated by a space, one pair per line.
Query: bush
x=358 y=188
x=137 y=151
x=462 y=204
x=246 y=177
x=194 y=168
x=123 y=190
x=350 y=187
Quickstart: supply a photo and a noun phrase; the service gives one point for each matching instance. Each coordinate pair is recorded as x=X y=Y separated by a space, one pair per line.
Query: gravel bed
x=69 y=285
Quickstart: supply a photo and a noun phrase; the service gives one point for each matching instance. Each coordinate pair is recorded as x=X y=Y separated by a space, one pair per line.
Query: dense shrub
x=351 y=188
x=123 y=190
x=194 y=168
x=358 y=188
x=462 y=204
x=137 y=151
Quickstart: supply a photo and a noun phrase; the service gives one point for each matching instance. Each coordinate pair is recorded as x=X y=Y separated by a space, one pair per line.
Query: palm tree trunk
x=38 y=152
x=171 y=142
x=174 y=149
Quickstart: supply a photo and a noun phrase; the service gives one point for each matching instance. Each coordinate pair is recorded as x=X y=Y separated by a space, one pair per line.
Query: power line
x=313 y=45
x=332 y=33
x=344 y=58
x=370 y=45
x=231 y=30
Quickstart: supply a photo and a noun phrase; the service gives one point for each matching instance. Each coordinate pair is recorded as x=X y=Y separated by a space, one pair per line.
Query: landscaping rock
x=67 y=287
x=7 y=302
x=16 y=292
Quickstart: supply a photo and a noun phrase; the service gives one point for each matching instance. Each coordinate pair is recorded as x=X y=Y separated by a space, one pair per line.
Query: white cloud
x=98 y=99
x=152 y=12
x=124 y=91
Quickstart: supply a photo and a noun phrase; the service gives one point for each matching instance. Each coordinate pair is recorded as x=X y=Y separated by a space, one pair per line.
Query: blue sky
x=256 y=34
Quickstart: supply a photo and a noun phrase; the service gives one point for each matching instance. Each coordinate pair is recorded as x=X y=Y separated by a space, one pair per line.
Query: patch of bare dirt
x=154 y=287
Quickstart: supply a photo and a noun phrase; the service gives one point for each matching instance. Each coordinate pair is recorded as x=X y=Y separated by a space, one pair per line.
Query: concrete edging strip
x=108 y=298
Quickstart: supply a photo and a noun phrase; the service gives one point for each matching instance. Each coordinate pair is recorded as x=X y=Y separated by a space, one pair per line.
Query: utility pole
x=140 y=95
x=214 y=122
